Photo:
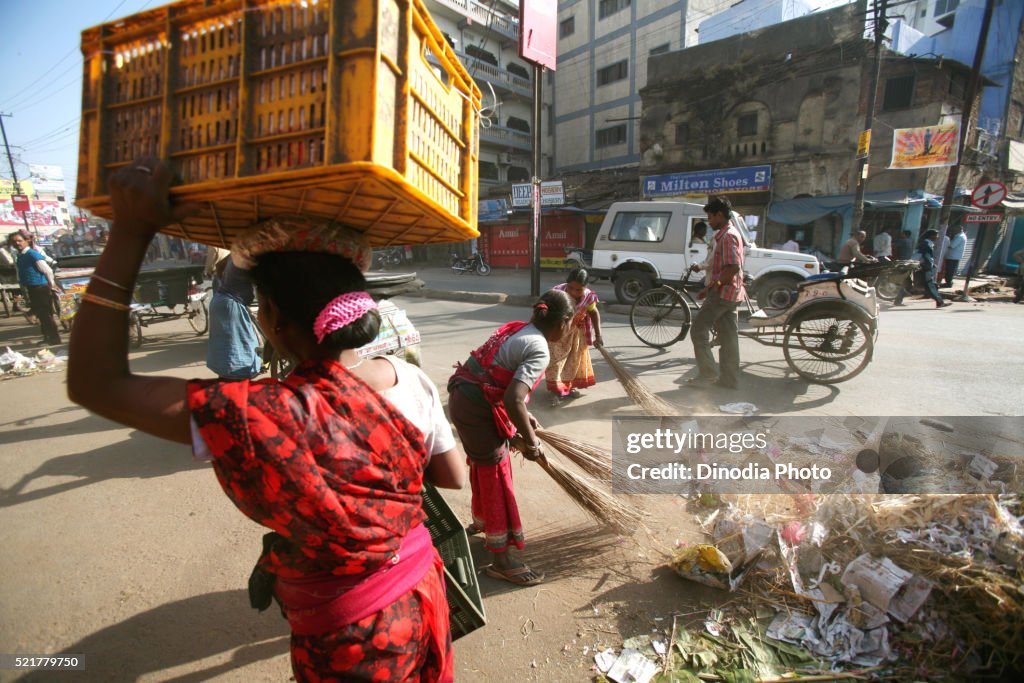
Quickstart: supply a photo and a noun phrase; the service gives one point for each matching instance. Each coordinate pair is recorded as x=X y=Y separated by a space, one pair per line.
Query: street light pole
x=864 y=144
x=538 y=71
x=14 y=174
x=954 y=170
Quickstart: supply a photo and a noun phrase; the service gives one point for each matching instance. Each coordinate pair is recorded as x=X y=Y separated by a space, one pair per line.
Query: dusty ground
x=120 y=548
x=117 y=546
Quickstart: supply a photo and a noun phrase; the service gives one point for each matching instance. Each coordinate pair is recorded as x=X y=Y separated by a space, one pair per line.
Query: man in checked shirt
x=722 y=294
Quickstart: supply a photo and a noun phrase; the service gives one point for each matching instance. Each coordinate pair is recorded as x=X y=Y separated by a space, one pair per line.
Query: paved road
x=117 y=545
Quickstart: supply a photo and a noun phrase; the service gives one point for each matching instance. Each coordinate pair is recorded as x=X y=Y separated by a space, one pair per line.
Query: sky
x=41 y=88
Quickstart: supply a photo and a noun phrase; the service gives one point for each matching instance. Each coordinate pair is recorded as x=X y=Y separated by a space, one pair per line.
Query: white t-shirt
x=416 y=397
x=526 y=354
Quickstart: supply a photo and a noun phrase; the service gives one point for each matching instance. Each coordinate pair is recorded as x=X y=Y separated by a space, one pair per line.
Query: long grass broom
x=588 y=494
x=594 y=460
x=647 y=400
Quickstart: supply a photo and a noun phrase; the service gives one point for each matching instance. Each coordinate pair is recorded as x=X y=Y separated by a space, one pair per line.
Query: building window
x=945 y=6
x=481 y=54
x=516 y=123
x=614 y=72
x=606 y=8
x=488 y=170
x=682 y=133
x=567 y=27
x=661 y=49
x=518 y=174
x=899 y=93
x=518 y=70
x=746 y=124
x=607 y=137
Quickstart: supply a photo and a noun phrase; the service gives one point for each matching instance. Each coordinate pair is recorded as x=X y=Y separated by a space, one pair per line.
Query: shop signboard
x=703 y=183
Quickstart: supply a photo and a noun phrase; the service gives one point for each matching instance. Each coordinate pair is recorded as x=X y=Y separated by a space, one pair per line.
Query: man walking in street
x=722 y=294
x=926 y=247
x=954 y=253
x=36 y=276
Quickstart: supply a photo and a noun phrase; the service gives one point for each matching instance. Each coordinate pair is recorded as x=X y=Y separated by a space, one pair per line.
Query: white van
x=641 y=244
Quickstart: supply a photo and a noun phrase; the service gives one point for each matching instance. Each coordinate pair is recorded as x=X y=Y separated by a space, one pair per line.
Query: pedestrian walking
x=926 y=249
x=333 y=469
x=570 y=368
x=37 y=279
x=233 y=351
x=487 y=402
x=723 y=293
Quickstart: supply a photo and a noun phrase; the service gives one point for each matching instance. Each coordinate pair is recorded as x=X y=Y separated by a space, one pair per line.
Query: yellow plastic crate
x=356 y=111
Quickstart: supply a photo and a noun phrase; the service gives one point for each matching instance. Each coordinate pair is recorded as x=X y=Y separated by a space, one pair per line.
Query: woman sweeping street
x=319 y=458
x=570 y=368
x=487 y=399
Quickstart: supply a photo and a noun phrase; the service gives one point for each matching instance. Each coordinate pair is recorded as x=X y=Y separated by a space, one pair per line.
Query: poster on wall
x=926 y=147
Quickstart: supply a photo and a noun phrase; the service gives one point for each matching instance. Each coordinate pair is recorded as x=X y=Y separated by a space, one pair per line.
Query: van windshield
x=741 y=225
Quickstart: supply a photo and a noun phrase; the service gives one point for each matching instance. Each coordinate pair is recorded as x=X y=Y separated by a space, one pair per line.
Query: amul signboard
x=703 y=183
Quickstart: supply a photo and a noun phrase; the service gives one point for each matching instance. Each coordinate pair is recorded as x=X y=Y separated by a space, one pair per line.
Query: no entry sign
x=988 y=195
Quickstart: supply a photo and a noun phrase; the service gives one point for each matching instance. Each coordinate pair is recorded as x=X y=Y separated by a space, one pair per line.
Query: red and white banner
x=42 y=214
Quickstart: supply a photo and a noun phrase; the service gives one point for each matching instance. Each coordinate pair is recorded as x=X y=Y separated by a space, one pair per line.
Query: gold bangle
x=104 y=280
x=106 y=303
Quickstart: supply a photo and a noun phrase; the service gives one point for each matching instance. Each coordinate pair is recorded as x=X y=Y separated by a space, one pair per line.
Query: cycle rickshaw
x=827 y=334
x=158 y=294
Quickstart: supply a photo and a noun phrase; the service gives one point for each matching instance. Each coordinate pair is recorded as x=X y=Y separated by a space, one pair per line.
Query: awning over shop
x=807 y=209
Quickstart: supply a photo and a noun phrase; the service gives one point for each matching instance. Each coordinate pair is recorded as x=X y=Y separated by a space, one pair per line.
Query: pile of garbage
x=14 y=364
x=916 y=587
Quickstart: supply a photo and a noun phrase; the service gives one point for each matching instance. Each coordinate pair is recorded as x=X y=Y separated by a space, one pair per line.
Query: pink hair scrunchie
x=341 y=311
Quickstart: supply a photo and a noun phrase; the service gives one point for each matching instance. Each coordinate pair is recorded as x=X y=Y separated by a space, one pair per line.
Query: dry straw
x=594 y=460
x=976 y=594
x=646 y=399
x=590 y=496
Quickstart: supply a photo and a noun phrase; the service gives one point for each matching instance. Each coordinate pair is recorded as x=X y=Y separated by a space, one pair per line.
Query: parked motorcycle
x=578 y=257
x=472 y=264
x=390 y=256
x=886 y=276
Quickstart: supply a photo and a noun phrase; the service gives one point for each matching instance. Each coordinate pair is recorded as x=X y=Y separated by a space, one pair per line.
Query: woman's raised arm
x=99 y=378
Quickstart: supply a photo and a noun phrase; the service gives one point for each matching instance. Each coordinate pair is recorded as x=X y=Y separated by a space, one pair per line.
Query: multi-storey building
x=603 y=49
x=485 y=35
x=789 y=101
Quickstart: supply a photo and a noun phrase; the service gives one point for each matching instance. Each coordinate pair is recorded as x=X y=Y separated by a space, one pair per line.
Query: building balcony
x=506 y=137
x=496 y=76
x=482 y=17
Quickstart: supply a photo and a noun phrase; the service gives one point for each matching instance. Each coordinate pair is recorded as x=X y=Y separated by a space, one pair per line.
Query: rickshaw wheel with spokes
x=199 y=317
x=660 y=317
x=828 y=344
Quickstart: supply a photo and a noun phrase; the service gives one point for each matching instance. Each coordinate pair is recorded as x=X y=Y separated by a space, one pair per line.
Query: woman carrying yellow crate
x=333 y=469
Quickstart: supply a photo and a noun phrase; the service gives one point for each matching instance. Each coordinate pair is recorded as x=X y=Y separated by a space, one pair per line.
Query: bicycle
x=662 y=316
